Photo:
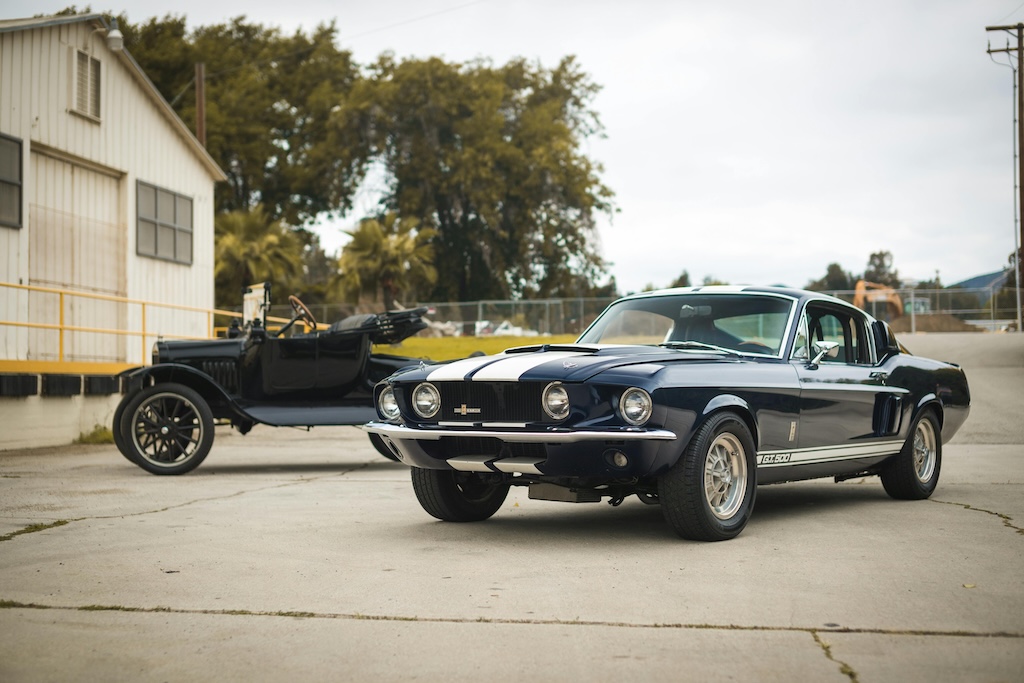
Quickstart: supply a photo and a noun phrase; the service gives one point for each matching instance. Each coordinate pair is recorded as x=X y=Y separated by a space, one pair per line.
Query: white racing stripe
x=459 y=369
x=515 y=366
x=807 y=456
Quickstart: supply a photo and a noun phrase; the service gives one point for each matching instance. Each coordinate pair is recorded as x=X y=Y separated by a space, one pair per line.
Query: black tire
x=708 y=495
x=382 y=448
x=167 y=429
x=458 y=496
x=914 y=473
x=115 y=428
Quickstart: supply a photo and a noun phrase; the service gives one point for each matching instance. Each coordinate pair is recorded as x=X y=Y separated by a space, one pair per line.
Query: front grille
x=224 y=372
x=490 y=402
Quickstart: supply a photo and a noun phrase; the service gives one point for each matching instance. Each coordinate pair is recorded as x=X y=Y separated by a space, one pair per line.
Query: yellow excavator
x=874 y=293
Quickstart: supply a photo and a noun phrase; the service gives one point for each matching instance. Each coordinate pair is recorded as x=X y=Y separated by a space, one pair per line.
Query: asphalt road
x=304 y=556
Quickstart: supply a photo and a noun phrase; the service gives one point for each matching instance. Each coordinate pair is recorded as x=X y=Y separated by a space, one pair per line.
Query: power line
x=415 y=19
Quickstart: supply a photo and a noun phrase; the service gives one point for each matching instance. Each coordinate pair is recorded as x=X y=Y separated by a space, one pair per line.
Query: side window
x=842 y=328
x=10 y=182
x=164 y=224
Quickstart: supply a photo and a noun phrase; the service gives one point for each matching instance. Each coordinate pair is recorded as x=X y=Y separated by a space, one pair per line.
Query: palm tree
x=386 y=254
x=250 y=248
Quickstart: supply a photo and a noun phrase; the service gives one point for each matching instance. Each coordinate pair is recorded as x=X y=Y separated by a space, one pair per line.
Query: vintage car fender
x=139 y=378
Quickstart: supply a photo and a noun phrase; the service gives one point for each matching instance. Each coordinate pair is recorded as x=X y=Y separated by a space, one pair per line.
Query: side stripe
x=810 y=456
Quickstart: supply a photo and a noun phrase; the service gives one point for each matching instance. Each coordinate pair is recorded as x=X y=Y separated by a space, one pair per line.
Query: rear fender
x=926 y=402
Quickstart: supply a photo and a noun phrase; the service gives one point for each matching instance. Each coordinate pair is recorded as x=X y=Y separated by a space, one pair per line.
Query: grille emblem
x=464 y=411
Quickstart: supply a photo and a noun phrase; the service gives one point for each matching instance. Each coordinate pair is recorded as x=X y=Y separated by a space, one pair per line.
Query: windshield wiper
x=690 y=344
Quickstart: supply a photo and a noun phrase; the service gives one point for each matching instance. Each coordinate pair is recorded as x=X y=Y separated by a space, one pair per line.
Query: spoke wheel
x=708 y=495
x=167 y=429
x=914 y=473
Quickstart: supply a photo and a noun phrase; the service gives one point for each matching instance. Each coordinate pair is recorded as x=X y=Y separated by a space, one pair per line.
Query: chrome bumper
x=554 y=435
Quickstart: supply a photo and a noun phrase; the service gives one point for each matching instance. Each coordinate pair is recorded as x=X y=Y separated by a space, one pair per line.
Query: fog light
x=616 y=458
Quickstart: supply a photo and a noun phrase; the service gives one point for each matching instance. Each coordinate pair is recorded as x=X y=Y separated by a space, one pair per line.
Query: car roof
x=800 y=295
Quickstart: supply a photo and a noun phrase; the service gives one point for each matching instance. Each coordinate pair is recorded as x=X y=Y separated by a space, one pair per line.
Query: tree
x=836 y=279
x=251 y=247
x=387 y=255
x=490 y=159
x=269 y=100
x=682 y=281
x=880 y=270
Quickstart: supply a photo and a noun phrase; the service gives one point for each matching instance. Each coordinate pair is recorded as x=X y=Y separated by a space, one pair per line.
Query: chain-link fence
x=908 y=310
x=939 y=310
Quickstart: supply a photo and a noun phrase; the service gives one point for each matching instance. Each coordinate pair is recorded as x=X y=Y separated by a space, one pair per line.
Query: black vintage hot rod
x=325 y=376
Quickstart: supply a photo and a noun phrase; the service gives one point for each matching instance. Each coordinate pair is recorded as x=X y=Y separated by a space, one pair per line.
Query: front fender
x=138 y=379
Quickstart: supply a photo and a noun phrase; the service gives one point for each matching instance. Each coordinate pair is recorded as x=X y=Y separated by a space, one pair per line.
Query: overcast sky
x=748 y=141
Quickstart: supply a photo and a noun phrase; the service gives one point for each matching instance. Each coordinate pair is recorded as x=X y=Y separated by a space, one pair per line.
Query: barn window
x=164 y=224
x=87 y=85
x=10 y=182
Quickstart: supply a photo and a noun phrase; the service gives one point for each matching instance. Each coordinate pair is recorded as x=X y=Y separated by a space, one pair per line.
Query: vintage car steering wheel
x=302 y=312
x=755 y=347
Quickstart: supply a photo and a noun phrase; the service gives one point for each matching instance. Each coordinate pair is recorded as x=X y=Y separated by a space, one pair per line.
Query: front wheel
x=914 y=473
x=167 y=429
x=708 y=495
x=458 y=496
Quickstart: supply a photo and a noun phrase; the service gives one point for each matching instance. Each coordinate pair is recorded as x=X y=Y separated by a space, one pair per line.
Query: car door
x=848 y=416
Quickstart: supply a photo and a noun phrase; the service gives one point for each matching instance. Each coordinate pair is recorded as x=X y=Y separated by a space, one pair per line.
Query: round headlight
x=387 y=406
x=426 y=400
x=556 y=401
x=635 y=406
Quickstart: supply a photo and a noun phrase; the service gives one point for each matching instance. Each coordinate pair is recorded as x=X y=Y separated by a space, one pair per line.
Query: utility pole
x=201 y=103
x=1019 y=197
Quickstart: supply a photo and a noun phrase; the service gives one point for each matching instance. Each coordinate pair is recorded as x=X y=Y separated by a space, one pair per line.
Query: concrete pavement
x=290 y=555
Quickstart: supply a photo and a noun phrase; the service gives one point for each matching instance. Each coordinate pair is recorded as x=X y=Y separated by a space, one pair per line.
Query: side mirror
x=885 y=340
x=823 y=349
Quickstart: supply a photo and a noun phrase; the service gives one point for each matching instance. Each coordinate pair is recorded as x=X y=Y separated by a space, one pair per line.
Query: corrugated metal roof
x=150 y=90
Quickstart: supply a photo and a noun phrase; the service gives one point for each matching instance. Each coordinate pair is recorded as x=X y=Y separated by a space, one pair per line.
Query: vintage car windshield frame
x=679 y=299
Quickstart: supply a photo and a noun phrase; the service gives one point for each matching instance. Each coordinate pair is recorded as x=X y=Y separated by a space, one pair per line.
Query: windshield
x=748 y=323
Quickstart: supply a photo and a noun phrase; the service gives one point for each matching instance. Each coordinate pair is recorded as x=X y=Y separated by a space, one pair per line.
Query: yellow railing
x=62 y=328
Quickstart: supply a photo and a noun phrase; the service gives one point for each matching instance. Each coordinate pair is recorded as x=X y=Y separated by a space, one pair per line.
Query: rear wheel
x=167 y=429
x=458 y=496
x=708 y=495
x=116 y=428
x=914 y=473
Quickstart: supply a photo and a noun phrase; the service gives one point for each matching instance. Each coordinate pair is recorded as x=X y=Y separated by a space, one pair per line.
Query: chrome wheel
x=924 y=450
x=725 y=476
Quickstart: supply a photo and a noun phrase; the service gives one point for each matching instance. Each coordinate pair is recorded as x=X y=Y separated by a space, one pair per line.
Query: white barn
x=103 y=190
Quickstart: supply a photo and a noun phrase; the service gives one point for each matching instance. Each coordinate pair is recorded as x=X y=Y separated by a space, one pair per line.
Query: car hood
x=563 y=362
x=180 y=350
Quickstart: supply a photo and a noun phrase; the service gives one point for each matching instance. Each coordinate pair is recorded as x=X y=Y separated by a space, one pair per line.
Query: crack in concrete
x=33 y=528
x=1006 y=519
x=826 y=647
x=355 y=616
